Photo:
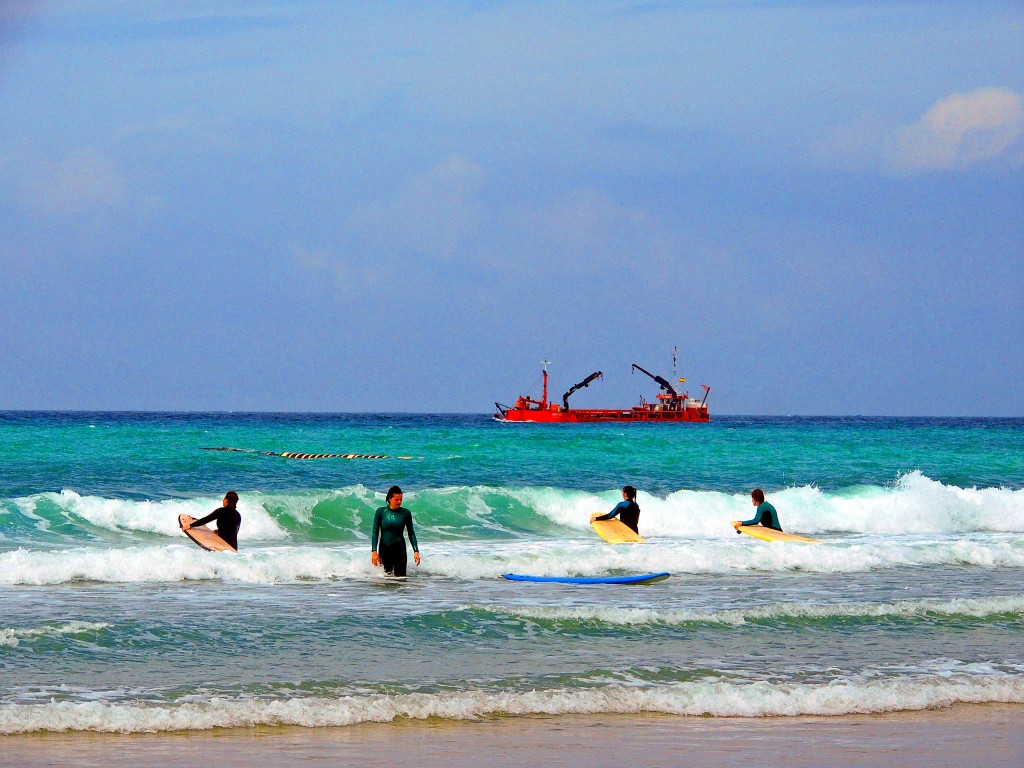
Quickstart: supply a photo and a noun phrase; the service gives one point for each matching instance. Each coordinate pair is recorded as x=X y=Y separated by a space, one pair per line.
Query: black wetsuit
x=228 y=523
x=629 y=514
x=389 y=528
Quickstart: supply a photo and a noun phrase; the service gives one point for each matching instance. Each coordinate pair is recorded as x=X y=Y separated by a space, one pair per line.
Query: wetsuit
x=766 y=516
x=628 y=512
x=389 y=527
x=228 y=523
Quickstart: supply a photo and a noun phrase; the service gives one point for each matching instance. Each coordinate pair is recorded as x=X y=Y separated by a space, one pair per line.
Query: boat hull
x=586 y=415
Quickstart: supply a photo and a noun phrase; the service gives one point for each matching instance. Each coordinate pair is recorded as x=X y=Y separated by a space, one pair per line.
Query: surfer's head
x=629 y=492
x=757 y=495
x=230 y=499
x=394 y=492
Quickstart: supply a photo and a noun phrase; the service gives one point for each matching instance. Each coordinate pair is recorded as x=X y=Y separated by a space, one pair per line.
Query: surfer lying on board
x=389 y=524
x=627 y=510
x=766 y=514
x=227 y=517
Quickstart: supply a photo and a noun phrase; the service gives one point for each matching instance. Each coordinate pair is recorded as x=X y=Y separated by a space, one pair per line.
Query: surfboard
x=643 y=578
x=770 y=534
x=614 y=531
x=204 y=537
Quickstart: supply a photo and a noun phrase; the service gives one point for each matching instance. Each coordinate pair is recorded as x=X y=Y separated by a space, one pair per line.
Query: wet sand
x=977 y=735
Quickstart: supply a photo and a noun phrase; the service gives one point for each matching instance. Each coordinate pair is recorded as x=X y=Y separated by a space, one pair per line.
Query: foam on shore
x=777 y=613
x=716 y=698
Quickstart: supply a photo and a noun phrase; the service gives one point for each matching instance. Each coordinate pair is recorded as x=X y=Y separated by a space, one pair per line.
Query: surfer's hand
x=375 y=558
x=416 y=557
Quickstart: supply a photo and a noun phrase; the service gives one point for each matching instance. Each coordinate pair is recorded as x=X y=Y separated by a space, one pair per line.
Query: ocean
x=112 y=621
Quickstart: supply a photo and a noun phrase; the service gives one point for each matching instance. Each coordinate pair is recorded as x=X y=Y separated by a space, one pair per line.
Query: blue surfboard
x=642 y=578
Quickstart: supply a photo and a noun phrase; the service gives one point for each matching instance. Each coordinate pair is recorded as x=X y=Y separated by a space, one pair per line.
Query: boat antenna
x=675 y=354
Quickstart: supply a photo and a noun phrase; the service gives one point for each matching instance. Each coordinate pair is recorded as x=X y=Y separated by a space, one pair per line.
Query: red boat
x=670 y=405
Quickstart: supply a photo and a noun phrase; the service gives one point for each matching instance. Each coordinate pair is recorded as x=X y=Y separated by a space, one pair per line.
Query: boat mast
x=544 y=399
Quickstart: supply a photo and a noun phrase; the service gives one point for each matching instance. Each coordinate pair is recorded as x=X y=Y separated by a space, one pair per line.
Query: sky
x=407 y=206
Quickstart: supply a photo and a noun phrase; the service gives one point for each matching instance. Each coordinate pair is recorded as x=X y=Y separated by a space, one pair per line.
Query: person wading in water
x=389 y=525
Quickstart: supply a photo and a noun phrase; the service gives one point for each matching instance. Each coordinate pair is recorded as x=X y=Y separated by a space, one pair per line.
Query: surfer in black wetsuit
x=627 y=510
x=227 y=517
x=389 y=526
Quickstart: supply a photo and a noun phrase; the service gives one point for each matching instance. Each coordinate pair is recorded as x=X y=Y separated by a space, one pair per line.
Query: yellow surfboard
x=615 y=531
x=770 y=534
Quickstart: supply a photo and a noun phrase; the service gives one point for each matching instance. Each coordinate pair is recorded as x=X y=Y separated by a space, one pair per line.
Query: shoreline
x=977 y=734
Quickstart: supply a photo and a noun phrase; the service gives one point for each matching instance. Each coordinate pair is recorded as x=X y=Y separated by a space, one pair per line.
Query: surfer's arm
x=618 y=508
x=756 y=520
x=376 y=530
x=201 y=521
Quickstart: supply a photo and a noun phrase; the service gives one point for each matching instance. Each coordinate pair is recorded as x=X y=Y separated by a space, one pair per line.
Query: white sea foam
x=913 y=504
x=12 y=636
x=710 y=697
x=161 y=517
x=182 y=562
x=960 y=607
x=727 y=555
x=490 y=559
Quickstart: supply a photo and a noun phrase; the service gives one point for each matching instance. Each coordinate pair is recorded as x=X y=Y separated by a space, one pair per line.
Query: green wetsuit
x=389 y=533
x=766 y=516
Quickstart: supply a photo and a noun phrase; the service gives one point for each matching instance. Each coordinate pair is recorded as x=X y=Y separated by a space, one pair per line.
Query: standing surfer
x=227 y=517
x=766 y=514
x=389 y=524
x=628 y=510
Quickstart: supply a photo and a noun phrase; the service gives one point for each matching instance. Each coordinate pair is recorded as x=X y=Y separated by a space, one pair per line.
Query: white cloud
x=81 y=184
x=349 y=275
x=853 y=146
x=964 y=130
x=432 y=214
x=429 y=219
x=440 y=221
x=586 y=230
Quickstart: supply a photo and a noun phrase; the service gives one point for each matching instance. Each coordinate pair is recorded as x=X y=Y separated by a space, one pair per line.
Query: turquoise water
x=912 y=600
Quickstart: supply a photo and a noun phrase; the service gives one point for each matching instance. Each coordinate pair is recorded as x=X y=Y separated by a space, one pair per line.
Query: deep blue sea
x=111 y=620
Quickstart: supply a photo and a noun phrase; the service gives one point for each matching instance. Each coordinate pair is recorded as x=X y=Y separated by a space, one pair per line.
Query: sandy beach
x=979 y=736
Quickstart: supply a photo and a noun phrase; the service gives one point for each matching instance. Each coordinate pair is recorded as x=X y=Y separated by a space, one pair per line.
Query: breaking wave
x=718 y=698
x=474 y=560
x=484 y=532
x=914 y=504
x=12 y=637
x=777 y=613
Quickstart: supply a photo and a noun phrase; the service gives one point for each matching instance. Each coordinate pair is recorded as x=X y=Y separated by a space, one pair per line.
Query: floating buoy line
x=293 y=455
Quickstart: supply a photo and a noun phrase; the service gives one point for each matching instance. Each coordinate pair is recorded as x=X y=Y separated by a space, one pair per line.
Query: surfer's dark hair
x=232 y=498
x=757 y=495
x=630 y=491
x=393 y=490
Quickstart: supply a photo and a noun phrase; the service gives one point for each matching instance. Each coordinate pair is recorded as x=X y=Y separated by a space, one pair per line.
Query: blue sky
x=406 y=206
